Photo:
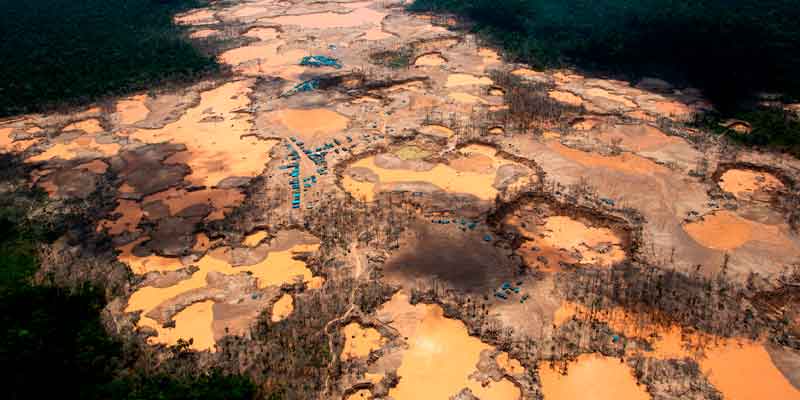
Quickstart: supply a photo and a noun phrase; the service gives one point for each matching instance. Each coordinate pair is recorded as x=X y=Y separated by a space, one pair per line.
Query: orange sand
x=626 y=162
x=91 y=125
x=94 y=166
x=443 y=176
x=746 y=372
x=466 y=98
x=143 y=265
x=132 y=110
x=591 y=377
x=429 y=60
x=131 y=214
x=566 y=98
x=358 y=17
x=69 y=150
x=437 y=130
x=278 y=268
x=454 y=80
x=255 y=239
x=262 y=33
x=559 y=237
x=440 y=356
x=204 y=33
x=724 y=230
x=8 y=144
x=193 y=322
x=375 y=34
x=282 y=308
x=313 y=123
x=221 y=200
x=218 y=149
x=597 y=92
x=744 y=183
x=508 y=364
x=359 y=342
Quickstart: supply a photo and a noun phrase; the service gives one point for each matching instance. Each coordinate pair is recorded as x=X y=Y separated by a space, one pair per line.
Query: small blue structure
x=320 y=61
x=487 y=238
x=307 y=86
x=608 y=201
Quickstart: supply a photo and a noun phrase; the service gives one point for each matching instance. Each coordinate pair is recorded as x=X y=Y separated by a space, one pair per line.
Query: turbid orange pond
x=474 y=173
x=433 y=343
x=591 y=377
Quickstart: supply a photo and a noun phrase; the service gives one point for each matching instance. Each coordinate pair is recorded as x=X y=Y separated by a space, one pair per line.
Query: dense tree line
x=732 y=50
x=52 y=339
x=57 y=52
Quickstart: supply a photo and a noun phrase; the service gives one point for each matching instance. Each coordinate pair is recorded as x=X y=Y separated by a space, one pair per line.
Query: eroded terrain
x=516 y=217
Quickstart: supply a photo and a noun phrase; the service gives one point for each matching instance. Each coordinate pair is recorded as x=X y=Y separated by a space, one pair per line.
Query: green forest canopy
x=58 y=52
x=728 y=48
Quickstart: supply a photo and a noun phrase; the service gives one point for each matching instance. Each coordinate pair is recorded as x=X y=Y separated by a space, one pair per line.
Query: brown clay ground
x=179 y=163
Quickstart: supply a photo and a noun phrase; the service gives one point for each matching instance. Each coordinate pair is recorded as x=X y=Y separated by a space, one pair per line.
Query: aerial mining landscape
x=368 y=201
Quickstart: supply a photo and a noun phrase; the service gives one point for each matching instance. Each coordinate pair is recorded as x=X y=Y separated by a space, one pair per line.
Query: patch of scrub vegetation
x=412 y=153
x=54 y=338
x=57 y=52
x=730 y=49
x=395 y=59
x=769 y=127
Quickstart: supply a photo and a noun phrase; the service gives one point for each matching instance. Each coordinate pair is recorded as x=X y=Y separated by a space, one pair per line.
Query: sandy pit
x=277 y=268
x=193 y=322
x=282 y=308
x=130 y=213
x=132 y=110
x=724 y=230
x=213 y=132
x=429 y=60
x=561 y=239
x=262 y=33
x=8 y=144
x=592 y=377
x=747 y=184
x=204 y=33
x=437 y=130
x=219 y=200
x=508 y=364
x=199 y=17
x=566 y=98
x=360 y=341
x=82 y=145
x=357 y=17
x=142 y=265
x=444 y=176
x=466 y=98
x=375 y=34
x=255 y=239
x=626 y=162
x=433 y=342
x=91 y=125
x=746 y=372
x=309 y=124
x=454 y=80
x=666 y=341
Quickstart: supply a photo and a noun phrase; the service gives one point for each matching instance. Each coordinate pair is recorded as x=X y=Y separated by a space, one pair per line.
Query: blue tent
x=320 y=61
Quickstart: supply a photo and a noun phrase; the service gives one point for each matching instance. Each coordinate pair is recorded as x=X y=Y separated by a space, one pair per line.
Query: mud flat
x=360 y=341
x=433 y=341
x=550 y=236
x=591 y=377
x=725 y=230
x=474 y=170
x=210 y=282
x=749 y=184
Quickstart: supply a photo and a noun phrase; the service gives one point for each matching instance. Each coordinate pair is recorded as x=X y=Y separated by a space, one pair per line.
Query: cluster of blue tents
x=506 y=290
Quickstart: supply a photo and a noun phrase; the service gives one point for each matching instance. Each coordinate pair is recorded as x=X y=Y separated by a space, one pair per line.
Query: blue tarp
x=320 y=61
x=306 y=86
